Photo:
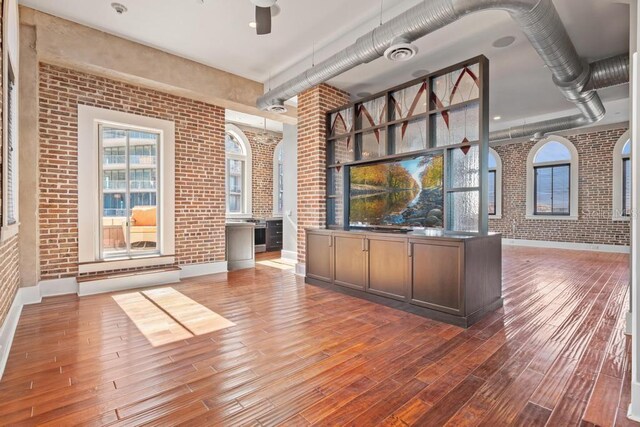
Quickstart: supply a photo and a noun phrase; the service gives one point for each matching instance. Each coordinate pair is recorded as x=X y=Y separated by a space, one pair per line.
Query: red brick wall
x=595 y=195
x=262 y=173
x=313 y=105
x=200 y=167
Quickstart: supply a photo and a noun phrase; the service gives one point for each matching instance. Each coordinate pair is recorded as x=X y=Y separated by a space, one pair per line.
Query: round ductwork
x=400 y=50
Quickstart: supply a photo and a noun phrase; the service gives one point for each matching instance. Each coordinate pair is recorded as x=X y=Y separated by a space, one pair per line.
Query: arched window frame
x=573 y=182
x=618 y=196
x=278 y=179
x=247 y=176
x=498 y=182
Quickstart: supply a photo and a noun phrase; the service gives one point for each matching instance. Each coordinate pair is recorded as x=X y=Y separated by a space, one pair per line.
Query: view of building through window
x=129 y=191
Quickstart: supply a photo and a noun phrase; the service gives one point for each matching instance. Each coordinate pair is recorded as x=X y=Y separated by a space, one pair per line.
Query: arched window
x=238 y=172
x=552 y=179
x=278 y=179
x=622 y=178
x=495 y=184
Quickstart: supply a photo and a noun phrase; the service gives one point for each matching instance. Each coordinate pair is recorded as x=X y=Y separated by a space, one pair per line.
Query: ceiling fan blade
x=263 y=20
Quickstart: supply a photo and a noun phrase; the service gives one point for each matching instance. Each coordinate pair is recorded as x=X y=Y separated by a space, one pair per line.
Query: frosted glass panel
x=456 y=126
x=458 y=86
x=464 y=211
x=341 y=151
x=372 y=113
x=341 y=122
x=374 y=144
x=409 y=101
x=335 y=181
x=464 y=168
x=410 y=136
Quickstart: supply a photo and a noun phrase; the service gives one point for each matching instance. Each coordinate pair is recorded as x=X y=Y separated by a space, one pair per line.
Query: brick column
x=313 y=105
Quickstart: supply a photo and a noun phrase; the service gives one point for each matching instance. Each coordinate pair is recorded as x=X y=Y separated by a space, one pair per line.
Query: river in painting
x=401 y=193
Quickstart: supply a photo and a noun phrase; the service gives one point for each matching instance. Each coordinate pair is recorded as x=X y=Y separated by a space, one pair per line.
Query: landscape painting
x=401 y=193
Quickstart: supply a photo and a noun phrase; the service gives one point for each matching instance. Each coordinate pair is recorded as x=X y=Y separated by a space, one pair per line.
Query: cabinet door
x=318 y=256
x=349 y=262
x=436 y=276
x=387 y=267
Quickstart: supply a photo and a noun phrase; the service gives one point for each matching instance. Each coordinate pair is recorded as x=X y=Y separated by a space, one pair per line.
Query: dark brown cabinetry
x=274 y=235
x=452 y=279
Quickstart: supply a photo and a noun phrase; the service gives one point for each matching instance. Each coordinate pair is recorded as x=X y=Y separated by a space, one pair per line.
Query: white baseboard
x=128 y=282
x=634 y=407
x=567 y=245
x=301 y=269
x=291 y=255
x=8 y=329
x=193 y=270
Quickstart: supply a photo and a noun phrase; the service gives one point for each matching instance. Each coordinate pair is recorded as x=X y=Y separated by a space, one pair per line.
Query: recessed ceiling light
x=497 y=117
x=503 y=42
x=252 y=24
x=119 y=8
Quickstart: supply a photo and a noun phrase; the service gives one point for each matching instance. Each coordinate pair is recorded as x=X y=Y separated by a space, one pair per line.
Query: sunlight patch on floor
x=165 y=315
x=281 y=263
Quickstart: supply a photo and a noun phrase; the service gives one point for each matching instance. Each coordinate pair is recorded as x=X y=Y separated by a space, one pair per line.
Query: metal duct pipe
x=608 y=72
x=538 y=20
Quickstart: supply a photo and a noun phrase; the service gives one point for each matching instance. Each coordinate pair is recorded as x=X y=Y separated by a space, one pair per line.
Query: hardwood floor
x=301 y=355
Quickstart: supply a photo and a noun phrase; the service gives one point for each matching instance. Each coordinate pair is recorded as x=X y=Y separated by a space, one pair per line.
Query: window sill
x=498 y=216
x=553 y=217
x=239 y=216
x=124 y=263
x=8 y=231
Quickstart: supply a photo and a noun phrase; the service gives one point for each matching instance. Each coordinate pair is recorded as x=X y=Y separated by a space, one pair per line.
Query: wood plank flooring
x=299 y=355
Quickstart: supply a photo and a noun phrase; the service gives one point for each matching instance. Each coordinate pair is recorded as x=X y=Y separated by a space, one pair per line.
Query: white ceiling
x=216 y=33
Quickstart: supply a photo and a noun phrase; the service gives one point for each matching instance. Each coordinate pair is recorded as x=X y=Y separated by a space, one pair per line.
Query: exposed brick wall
x=313 y=105
x=262 y=173
x=200 y=167
x=595 y=194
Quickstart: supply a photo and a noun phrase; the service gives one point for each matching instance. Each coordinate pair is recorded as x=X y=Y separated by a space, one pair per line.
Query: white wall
x=290 y=202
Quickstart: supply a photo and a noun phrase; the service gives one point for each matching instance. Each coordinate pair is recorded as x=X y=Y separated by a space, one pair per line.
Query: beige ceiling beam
x=69 y=44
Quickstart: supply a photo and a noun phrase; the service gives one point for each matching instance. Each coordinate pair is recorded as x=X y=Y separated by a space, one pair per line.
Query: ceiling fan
x=264 y=10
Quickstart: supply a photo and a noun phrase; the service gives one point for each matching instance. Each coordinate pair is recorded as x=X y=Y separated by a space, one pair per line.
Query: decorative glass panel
x=410 y=136
x=409 y=101
x=341 y=122
x=464 y=211
x=458 y=86
x=456 y=126
x=372 y=113
x=552 y=151
x=464 y=168
x=341 y=151
x=374 y=144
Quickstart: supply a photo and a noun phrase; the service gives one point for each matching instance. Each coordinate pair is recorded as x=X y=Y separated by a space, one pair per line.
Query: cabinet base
x=439 y=316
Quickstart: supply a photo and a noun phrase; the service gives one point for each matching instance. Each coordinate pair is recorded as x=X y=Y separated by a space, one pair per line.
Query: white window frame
x=10 y=60
x=247 y=211
x=498 y=214
x=276 y=179
x=617 y=178
x=89 y=184
x=573 y=182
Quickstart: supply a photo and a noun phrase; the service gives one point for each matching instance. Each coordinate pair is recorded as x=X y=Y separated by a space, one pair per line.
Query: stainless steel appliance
x=260 y=234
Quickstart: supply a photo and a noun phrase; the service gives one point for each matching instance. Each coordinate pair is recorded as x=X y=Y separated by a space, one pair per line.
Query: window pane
x=143 y=209
x=492 y=161
x=561 y=189
x=374 y=144
x=626 y=187
x=232 y=145
x=626 y=150
x=552 y=151
x=492 y=192
x=543 y=190
x=235 y=203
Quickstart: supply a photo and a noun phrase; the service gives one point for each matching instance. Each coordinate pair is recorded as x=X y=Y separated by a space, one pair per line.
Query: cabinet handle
x=364 y=245
x=410 y=250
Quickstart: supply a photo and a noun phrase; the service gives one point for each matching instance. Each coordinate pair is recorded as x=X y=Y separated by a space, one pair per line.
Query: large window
x=12 y=148
x=238 y=173
x=129 y=213
x=622 y=178
x=278 y=180
x=553 y=170
x=495 y=184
